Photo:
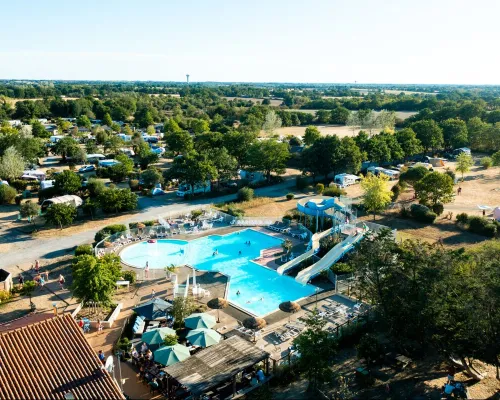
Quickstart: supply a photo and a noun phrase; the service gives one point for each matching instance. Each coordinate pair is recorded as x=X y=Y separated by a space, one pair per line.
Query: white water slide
x=328 y=259
x=314 y=246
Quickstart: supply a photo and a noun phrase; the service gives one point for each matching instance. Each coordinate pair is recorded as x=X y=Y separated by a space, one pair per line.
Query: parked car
x=87 y=168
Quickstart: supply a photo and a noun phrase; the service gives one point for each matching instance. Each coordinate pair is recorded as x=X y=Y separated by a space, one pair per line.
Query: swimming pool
x=261 y=289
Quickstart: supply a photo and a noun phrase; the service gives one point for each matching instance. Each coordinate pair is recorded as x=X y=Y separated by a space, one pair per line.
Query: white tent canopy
x=67 y=199
x=496 y=213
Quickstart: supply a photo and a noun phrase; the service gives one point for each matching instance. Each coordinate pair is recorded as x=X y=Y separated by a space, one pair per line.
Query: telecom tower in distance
x=187 y=78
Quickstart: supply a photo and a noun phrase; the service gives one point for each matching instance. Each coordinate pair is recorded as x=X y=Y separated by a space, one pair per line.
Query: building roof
x=216 y=364
x=44 y=359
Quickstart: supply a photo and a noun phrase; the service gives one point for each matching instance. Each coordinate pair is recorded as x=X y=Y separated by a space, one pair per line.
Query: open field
x=14 y=101
x=339 y=130
x=275 y=103
x=390 y=91
x=399 y=114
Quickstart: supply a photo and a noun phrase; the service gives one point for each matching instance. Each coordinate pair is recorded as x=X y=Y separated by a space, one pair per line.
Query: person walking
x=37 y=266
x=146 y=270
x=61 y=281
x=21 y=280
x=99 y=326
x=153 y=294
x=459 y=191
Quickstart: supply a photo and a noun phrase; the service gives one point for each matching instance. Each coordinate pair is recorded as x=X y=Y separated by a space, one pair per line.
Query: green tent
x=203 y=337
x=170 y=355
x=156 y=336
x=200 y=320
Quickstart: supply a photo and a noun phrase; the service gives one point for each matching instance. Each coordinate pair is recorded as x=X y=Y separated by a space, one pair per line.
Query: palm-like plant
x=287 y=245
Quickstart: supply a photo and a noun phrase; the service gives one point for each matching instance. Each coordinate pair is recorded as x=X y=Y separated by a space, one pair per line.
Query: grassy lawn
x=265 y=206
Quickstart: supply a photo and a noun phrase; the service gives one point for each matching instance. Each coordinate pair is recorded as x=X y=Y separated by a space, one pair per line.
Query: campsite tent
x=67 y=199
x=496 y=213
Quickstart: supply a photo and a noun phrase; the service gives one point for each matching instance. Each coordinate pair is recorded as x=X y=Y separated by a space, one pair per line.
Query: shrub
x=84 y=249
x=496 y=158
x=438 y=208
x=486 y=162
x=320 y=188
x=7 y=194
x=245 y=194
x=482 y=226
x=333 y=191
x=451 y=174
x=301 y=182
x=369 y=348
x=4 y=295
x=129 y=276
x=95 y=187
x=19 y=184
x=463 y=218
x=235 y=212
x=195 y=214
x=109 y=230
x=295 y=141
x=149 y=223
x=422 y=213
x=134 y=184
x=61 y=214
x=405 y=212
x=290 y=196
x=341 y=268
x=396 y=190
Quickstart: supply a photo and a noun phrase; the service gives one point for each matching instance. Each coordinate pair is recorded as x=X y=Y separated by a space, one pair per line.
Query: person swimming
x=239 y=252
x=213 y=254
x=238 y=293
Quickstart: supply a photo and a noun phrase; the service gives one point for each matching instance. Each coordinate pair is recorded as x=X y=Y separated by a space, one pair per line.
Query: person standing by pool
x=146 y=270
x=61 y=281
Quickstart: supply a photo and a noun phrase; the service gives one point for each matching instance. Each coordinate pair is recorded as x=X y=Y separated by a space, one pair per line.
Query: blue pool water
x=253 y=281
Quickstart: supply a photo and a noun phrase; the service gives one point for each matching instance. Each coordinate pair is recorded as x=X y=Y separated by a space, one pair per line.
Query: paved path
x=24 y=251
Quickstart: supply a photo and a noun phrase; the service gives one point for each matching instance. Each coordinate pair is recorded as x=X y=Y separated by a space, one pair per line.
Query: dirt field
x=275 y=103
x=14 y=101
x=339 y=130
x=399 y=114
x=480 y=187
x=389 y=91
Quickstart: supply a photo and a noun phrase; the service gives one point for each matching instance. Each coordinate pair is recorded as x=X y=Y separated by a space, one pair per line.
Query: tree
x=60 y=214
x=94 y=279
x=413 y=175
x=350 y=155
x=170 y=340
x=106 y=120
x=66 y=147
x=38 y=130
x=146 y=156
x=311 y=343
x=379 y=150
x=386 y=120
x=435 y=188
x=101 y=136
x=271 y=123
x=29 y=210
x=116 y=200
x=192 y=168
x=181 y=308
x=326 y=156
x=113 y=144
x=67 y=182
x=151 y=177
x=126 y=161
x=12 y=164
x=377 y=196
x=429 y=133
x=339 y=115
x=225 y=164
x=180 y=142
x=464 y=163
x=237 y=144
x=311 y=135
x=454 y=133
x=83 y=122
x=268 y=156
x=199 y=125
x=409 y=143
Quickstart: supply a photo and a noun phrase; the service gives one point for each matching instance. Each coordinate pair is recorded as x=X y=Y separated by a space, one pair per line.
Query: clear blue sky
x=399 y=41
